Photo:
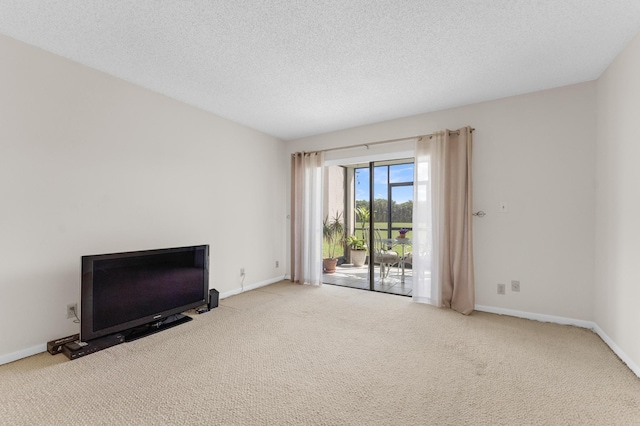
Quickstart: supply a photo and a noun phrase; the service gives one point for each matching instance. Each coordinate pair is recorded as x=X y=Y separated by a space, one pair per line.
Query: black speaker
x=213 y=298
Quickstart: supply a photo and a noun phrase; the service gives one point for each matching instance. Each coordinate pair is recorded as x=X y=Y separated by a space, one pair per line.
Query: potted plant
x=332 y=232
x=358 y=249
x=363 y=215
x=403 y=233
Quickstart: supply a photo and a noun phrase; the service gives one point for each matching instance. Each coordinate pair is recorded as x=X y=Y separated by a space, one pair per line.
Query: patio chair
x=408 y=259
x=383 y=255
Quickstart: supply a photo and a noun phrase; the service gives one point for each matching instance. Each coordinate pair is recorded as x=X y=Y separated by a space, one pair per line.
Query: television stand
x=155 y=327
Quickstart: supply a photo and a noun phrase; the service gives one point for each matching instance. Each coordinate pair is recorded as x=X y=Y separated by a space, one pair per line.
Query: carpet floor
x=288 y=354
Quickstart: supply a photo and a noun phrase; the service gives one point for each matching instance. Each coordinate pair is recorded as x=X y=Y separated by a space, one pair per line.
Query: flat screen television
x=141 y=292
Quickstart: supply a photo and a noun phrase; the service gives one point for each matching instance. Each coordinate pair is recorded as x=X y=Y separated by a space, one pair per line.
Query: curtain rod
x=387 y=141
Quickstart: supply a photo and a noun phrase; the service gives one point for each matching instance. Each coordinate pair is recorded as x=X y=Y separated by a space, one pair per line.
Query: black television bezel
x=86 y=292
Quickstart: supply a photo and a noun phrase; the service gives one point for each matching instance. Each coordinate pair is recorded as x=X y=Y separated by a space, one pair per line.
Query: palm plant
x=332 y=232
x=363 y=214
x=356 y=243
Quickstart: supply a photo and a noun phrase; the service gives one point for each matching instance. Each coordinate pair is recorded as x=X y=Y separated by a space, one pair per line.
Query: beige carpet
x=292 y=355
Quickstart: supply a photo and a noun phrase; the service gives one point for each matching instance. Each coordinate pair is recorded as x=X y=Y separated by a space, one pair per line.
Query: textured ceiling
x=297 y=68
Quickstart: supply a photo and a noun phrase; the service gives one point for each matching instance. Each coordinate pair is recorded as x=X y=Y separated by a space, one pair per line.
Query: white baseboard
x=537 y=317
x=6 y=359
x=251 y=287
x=616 y=349
x=566 y=321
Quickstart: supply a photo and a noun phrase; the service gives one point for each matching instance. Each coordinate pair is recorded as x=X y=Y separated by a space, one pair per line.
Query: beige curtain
x=444 y=262
x=306 y=217
x=456 y=240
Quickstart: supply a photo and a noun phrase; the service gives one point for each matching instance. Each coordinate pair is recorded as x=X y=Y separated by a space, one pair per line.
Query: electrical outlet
x=515 y=285
x=242 y=272
x=277 y=264
x=501 y=288
x=72 y=309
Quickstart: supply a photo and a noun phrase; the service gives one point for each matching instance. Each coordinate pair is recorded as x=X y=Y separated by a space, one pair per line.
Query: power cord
x=75 y=314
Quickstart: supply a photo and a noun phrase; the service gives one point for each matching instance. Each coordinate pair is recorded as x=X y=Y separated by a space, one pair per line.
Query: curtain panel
x=306 y=217
x=443 y=239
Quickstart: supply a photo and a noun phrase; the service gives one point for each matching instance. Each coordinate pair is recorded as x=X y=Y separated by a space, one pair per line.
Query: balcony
x=347 y=275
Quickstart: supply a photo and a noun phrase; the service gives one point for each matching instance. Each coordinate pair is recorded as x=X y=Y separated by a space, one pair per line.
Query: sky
x=396 y=173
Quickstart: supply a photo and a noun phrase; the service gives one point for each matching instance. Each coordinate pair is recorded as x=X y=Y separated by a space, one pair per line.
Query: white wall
x=617 y=282
x=537 y=153
x=91 y=164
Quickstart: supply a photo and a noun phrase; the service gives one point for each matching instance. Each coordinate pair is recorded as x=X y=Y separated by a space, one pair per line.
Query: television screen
x=120 y=291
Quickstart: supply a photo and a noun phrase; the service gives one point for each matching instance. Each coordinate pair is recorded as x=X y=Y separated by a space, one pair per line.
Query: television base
x=155 y=327
x=74 y=350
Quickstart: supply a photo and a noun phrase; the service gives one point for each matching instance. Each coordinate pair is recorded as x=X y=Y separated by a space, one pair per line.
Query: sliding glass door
x=388 y=194
x=376 y=200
